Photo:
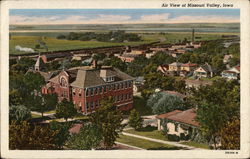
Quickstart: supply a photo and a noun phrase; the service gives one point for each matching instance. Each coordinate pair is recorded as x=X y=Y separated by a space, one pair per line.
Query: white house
x=204 y=71
x=232 y=73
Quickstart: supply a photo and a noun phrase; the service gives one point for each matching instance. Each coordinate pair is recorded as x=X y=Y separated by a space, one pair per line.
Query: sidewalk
x=161 y=141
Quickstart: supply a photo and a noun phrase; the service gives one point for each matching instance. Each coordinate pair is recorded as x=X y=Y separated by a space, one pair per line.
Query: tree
x=161 y=58
x=217 y=63
x=63 y=132
x=23 y=136
x=33 y=82
x=230 y=135
x=115 y=62
x=15 y=97
x=162 y=103
x=135 y=121
x=19 y=113
x=135 y=68
x=65 y=110
x=108 y=118
x=89 y=137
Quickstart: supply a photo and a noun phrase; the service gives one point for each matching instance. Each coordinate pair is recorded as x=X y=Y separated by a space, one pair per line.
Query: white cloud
x=121 y=19
x=204 y=19
x=155 y=17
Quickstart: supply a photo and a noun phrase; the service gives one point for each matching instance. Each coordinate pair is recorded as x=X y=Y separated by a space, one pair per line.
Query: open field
x=54 y=44
x=145 y=144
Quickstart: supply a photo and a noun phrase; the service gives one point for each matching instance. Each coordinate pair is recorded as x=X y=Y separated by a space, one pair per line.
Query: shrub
x=172 y=137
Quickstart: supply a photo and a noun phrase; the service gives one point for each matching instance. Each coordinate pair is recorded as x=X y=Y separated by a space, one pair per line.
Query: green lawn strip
x=50 y=112
x=145 y=144
x=195 y=144
x=35 y=115
x=155 y=134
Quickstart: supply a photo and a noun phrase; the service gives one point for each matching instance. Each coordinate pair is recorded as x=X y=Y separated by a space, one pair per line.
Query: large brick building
x=87 y=86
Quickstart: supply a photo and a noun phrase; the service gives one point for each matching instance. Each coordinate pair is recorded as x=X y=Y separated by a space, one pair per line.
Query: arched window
x=63 y=82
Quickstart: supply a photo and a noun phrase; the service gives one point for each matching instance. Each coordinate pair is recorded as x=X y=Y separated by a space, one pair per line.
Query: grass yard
x=195 y=144
x=54 y=44
x=35 y=116
x=155 y=134
x=50 y=112
x=145 y=144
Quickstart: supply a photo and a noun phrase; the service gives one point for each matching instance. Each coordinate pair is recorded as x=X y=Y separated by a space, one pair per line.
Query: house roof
x=237 y=67
x=175 y=64
x=187 y=116
x=162 y=116
x=175 y=93
x=57 y=55
x=189 y=64
x=207 y=67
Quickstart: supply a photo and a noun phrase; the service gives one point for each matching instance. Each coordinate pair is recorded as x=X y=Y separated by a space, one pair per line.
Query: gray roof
x=91 y=77
x=176 y=64
x=207 y=67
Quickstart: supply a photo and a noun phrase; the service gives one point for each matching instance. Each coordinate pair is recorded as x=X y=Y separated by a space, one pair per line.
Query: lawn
x=140 y=106
x=195 y=144
x=35 y=116
x=155 y=134
x=50 y=112
x=145 y=144
x=54 y=44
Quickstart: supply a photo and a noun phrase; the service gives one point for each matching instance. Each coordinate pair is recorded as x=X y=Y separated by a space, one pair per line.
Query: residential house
x=178 y=121
x=187 y=69
x=175 y=66
x=163 y=68
x=232 y=73
x=86 y=87
x=227 y=58
x=205 y=70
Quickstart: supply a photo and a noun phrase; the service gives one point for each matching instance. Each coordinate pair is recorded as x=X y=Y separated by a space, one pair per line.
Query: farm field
x=30 y=39
x=54 y=44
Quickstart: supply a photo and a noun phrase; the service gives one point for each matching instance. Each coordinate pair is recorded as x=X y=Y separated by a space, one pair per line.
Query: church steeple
x=39 y=64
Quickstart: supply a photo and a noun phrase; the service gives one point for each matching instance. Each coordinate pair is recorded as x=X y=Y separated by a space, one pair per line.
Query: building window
x=105 y=88
x=100 y=90
x=95 y=89
x=130 y=96
x=121 y=85
x=65 y=94
x=91 y=91
x=87 y=105
x=125 y=97
x=118 y=86
x=63 y=82
x=96 y=103
x=125 y=85
x=79 y=94
x=129 y=84
x=92 y=105
x=176 y=127
x=121 y=97
x=74 y=93
x=87 y=92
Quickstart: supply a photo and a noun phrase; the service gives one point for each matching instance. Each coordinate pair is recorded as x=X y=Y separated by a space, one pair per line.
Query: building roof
x=91 y=77
x=175 y=93
x=177 y=64
x=187 y=116
x=162 y=116
x=39 y=62
x=206 y=67
x=57 y=55
x=189 y=64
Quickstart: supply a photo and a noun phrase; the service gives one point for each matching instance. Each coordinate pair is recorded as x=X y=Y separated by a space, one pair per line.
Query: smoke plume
x=25 y=49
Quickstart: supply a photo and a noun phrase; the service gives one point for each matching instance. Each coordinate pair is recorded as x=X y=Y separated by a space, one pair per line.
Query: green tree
x=162 y=103
x=43 y=103
x=108 y=118
x=115 y=62
x=217 y=63
x=135 y=68
x=135 y=120
x=63 y=132
x=161 y=58
x=65 y=109
x=89 y=137
x=19 y=113
x=15 y=97
x=230 y=135
x=23 y=136
x=33 y=82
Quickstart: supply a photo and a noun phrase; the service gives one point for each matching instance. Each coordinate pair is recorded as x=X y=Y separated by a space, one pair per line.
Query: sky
x=122 y=16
